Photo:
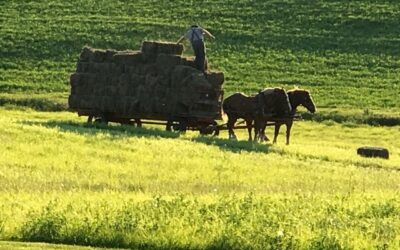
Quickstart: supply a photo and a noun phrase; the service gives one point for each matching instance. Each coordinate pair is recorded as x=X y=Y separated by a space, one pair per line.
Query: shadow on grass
x=233 y=146
x=123 y=131
x=115 y=131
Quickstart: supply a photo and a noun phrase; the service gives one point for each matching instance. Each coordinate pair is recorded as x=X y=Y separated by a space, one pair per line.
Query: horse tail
x=225 y=106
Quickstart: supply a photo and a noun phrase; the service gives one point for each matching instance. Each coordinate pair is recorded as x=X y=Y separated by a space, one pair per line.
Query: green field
x=65 y=182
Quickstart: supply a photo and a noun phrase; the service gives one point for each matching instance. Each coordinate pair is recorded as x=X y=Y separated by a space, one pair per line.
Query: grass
x=66 y=182
x=344 y=53
x=62 y=181
x=7 y=245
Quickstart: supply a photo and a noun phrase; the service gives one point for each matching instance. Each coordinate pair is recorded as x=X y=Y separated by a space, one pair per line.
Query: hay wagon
x=155 y=85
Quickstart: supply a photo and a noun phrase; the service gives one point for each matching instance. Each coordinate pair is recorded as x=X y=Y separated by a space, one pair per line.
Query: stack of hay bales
x=155 y=82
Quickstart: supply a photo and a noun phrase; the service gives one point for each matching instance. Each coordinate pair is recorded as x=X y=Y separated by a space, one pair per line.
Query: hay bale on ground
x=373 y=152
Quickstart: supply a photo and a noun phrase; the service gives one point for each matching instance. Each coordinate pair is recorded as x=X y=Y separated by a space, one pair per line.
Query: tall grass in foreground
x=207 y=222
x=63 y=181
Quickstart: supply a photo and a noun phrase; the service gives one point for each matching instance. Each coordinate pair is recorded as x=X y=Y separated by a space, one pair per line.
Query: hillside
x=63 y=181
x=346 y=54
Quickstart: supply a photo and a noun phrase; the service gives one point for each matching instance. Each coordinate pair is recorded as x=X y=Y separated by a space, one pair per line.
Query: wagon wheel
x=168 y=127
x=90 y=119
x=208 y=129
x=101 y=120
x=138 y=123
x=183 y=124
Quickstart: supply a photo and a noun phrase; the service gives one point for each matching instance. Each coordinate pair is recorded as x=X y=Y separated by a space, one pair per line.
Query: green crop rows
x=345 y=53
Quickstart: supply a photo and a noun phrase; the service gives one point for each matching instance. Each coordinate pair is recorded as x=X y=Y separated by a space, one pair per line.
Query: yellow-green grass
x=65 y=182
x=8 y=245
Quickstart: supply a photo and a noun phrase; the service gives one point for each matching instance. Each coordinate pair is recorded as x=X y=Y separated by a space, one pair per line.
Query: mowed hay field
x=66 y=182
x=62 y=181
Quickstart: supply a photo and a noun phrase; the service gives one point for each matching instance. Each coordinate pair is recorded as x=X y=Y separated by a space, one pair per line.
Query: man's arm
x=208 y=33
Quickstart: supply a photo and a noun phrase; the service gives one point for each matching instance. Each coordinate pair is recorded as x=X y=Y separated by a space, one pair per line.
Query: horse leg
x=249 y=124
x=263 y=136
x=276 y=132
x=230 y=125
x=288 y=128
x=256 y=129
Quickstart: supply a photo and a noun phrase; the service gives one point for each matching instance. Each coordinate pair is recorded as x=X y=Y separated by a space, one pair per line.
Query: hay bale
x=136 y=80
x=373 y=152
x=188 y=61
x=116 y=69
x=149 y=47
x=97 y=102
x=198 y=82
x=98 y=55
x=86 y=102
x=215 y=78
x=73 y=102
x=129 y=58
x=124 y=79
x=82 y=67
x=103 y=68
x=169 y=48
x=120 y=105
x=74 y=79
x=108 y=104
x=150 y=69
x=86 y=54
x=109 y=55
x=165 y=63
x=91 y=81
x=166 y=60
x=180 y=73
x=132 y=106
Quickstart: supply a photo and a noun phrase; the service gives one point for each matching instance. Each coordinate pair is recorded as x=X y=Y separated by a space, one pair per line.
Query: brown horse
x=254 y=108
x=297 y=97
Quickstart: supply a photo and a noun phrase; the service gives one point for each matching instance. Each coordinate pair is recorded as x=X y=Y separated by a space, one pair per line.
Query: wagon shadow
x=123 y=131
x=233 y=146
x=116 y=132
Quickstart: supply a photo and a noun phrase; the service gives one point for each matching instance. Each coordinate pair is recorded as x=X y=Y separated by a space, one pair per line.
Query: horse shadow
x=117 y=132
x=233 y=145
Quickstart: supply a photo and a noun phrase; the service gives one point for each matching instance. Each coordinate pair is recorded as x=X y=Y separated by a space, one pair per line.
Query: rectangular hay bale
x=215 y=78
x=98 y=55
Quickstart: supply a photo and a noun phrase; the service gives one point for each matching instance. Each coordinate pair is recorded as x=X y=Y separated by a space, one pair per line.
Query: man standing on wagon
x=196 y=37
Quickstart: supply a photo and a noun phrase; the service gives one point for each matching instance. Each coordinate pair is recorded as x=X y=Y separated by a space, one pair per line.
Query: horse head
x=302 y=97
